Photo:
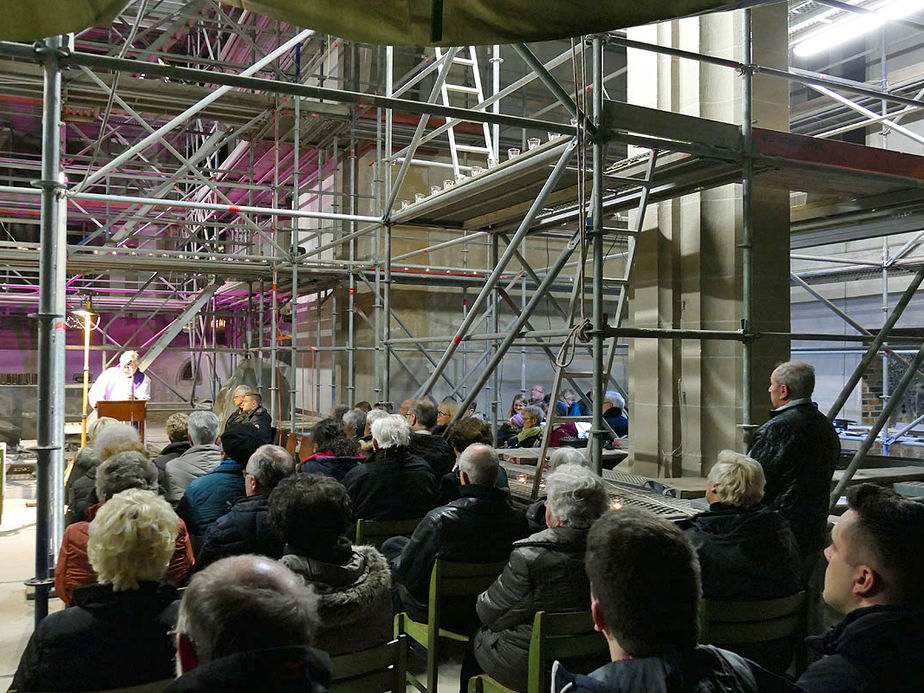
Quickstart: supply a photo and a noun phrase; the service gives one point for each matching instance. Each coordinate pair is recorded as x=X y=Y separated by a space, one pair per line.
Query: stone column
x=685 y=397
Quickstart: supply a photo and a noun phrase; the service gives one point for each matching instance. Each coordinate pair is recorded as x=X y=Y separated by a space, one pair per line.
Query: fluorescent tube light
x=855 y=26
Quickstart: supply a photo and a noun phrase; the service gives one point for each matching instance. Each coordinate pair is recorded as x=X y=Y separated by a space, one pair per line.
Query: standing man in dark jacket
x=644 y=585
x=479 y=527
x=798 y=449
x=545 y=573
x=255 y=415
x=393 y=484
x=875 y=576
x=237 y=398
x=245 y=527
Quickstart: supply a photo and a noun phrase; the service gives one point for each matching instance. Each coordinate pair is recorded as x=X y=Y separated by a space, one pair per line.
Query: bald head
x=240 y=604
x=479 y=465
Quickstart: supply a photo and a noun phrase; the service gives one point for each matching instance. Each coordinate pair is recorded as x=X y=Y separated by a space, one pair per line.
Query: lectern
x=129 y=410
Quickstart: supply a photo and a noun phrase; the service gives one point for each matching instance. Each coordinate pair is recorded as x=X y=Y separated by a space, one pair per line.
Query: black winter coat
x=392 y=484
x=705 y=670
x=243 y=529
x=260 y=419
x=479 y=527
x=435 y=451
x=798 y=449
x=876 y=649
x=296 y=669
x=334 y=467
x=106 y=640
x=171 y=452
x=545 y=573
x=82 y=497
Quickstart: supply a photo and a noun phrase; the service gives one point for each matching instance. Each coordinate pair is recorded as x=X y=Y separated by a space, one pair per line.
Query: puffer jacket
x=261 y=420
x=196 y=462
x=243 y=529
x=107 y=640
x=73 y=568
x=85 y=460
x=211 y=496
x=170 y=452
x=333 y=466
x=706 y=669
x=82 y=497
x=392 y=484
x=545 y=573
x=798 y=449
x=354 y=598
x=479 y=527
x=874 y=649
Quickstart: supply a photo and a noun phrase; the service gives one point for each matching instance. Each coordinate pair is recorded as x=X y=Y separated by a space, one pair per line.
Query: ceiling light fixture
x=855 y=26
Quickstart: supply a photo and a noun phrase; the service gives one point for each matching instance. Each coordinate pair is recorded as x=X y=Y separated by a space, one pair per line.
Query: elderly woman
x=535 y=513
x=108 y=436
x=122 y=471
x=117 y=633
x=545 y=573
x=531 y=434
x=312 y=512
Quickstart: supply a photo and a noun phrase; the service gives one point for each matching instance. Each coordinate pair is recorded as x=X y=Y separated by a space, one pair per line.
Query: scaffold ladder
x=633 y=186
x=469 y=88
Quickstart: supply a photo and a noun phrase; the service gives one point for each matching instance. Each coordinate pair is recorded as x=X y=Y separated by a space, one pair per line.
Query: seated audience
x=479 y=527
x=567 y=404
x=537 y=398
x=644 y=586
x=255 y=415
x=530 y=435
x=108 y=439
x=237 y=398
x=345 y=454
x=387 y=407
x=535 y=513
x=337 y=412
x=86 y=460
x=246 y=624
x=177 y=431
x=445 y=413
x=613 y=412
x=323 y=435
x=245 y=527
x=875 y=577
x=363 y=406
x=117 y=632
x=393 y=484
x=514 y=421
x=354 y=423
x=210 y=496
x=746 y=551
x=204 y=455
x=366 y=443
x=312 y=513
x=545 y=573
x=463 y=433
x=405 y=407
x=120 y=472
x=433 y=449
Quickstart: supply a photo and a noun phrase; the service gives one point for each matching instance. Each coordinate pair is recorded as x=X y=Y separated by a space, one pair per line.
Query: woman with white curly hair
x=117 y=633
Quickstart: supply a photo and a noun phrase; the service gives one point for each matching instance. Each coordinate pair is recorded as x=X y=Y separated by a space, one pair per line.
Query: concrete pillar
x=685 y=397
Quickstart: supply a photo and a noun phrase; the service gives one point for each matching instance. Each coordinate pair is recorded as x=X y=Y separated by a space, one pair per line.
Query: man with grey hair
x=798 y=449
x=112 y=437
x=246 y=624
x=478 y=527
x=746 y=551
x=124 y=381
x=545 y=573
x=614 y=406
x=393 y=483
x=120 y=472
x=245 y=527
x=433 y=449
x=204 y=455
x=354 y=423
x=237 y=398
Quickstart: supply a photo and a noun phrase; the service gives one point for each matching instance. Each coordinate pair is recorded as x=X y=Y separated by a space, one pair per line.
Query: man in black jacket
x=255 y=415
x=245 y=527
x=875 y=576
x=434 y=449
x=798 y=449
x=479 y=527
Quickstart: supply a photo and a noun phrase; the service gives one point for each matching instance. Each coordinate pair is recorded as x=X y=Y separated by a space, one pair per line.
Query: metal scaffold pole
x=747 y=183
x=596 y=440
x=51 y=332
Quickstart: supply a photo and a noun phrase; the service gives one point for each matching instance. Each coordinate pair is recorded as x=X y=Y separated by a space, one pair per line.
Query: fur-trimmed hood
x=354 y=599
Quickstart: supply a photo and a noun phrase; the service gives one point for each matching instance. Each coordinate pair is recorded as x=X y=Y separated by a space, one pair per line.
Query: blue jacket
x=211 y=496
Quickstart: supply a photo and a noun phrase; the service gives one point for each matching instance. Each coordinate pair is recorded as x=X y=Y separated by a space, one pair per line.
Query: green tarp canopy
x=392 y=22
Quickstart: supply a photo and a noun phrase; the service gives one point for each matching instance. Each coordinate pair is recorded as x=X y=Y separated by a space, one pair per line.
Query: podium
x=128 y=410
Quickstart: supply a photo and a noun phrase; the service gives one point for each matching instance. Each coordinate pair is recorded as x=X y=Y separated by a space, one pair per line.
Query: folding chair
x=375 y=532
x=377 y=669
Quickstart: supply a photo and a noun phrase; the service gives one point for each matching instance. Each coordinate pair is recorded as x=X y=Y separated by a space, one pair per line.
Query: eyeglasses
x=443 y=413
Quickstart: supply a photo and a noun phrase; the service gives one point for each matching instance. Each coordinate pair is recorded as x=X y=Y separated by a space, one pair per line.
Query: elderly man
x=614 y=406
x=237 y=397
x=198 y=460
x=644 y=590
x=798 y=449
x=245 y=527
x=479 y=527
x=246 y=624
x=256 y=416
x=354 y=423
x=875 y=576
x=124 y=381
x=393 y=484
x=545 y=573
x=434 y=449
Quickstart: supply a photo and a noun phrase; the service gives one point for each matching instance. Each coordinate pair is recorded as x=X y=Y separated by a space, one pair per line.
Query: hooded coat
x=354 y=597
